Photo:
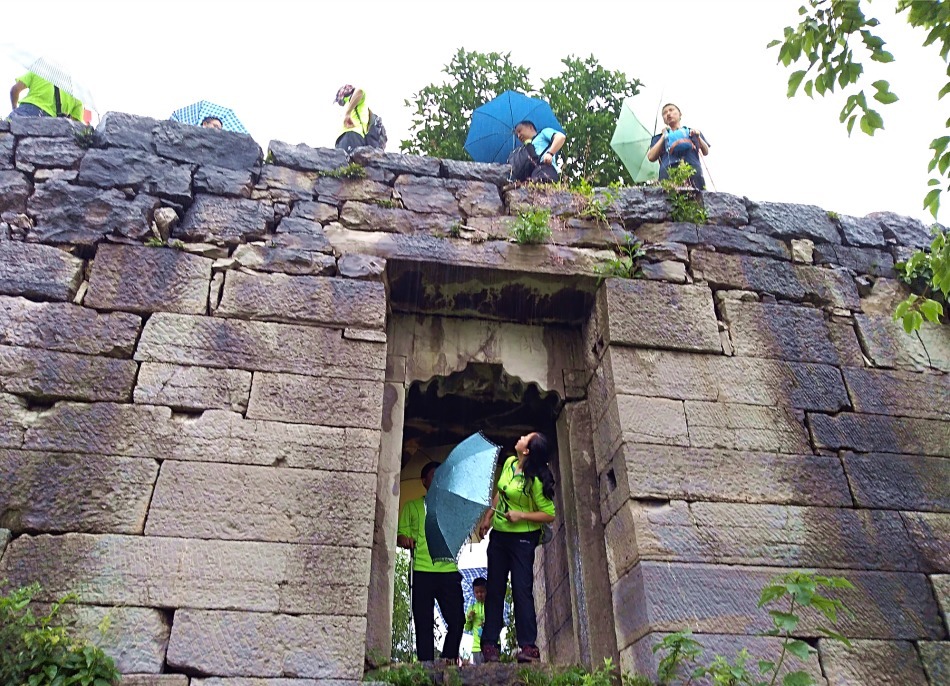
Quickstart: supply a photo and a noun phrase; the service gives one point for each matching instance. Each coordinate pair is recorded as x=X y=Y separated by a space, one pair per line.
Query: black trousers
x=511 y=553
x=446 y=588
x=349 y=141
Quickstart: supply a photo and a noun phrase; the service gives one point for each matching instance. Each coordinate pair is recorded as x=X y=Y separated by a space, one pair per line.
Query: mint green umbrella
x=631 y=141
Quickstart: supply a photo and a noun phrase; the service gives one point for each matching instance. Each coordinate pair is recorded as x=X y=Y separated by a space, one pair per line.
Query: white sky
x=279 y=63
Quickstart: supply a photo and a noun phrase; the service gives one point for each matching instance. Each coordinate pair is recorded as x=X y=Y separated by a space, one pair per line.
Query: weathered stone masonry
x=204 y=441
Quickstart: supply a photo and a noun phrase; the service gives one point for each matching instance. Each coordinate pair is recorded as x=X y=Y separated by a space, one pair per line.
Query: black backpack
x=376 y=134
x=523 y=160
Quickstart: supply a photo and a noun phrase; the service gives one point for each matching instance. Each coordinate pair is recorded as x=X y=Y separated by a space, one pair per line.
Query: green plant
x=833 y=216
x=85 y=137
x=413 y=674
x=270 y=158
x=597 y=206
x=455 y=229
x=532 y=226
x=349 y=171
x=388 y=203
x=575 y=675
x=681 y=660
x=155 y=242
x=684 y=206
x=825 y=39
x=176 y=244
x=626 y=262
x=929 y=271
x=39 y=651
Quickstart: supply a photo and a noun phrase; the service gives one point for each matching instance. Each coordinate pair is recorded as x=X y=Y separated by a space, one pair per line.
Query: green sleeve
x=76 y=111
x=542 y=502
x=404 y=520
x=470 y=623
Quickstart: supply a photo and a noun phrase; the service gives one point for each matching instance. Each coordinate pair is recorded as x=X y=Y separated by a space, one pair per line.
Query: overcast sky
x=279 y=64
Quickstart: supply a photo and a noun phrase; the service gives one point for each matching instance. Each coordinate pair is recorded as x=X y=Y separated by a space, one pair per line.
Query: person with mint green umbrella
x=678 y=143
x=432 y=581
x=522 y=505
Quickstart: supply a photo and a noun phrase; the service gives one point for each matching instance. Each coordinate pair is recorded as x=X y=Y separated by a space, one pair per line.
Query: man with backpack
x=534 y=161
x=678 y=143
x=361 y=126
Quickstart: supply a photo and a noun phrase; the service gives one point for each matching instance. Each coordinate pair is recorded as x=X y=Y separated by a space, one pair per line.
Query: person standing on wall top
x=355 y=117
x=678 y=143
x=546 y=143
x=43 y=99
x=523 y=503
x=431 y=581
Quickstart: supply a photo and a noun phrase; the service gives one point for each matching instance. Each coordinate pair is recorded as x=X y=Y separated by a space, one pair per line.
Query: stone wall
x=203 y=440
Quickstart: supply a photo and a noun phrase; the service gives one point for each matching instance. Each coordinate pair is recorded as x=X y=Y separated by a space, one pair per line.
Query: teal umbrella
x=631 y=141
x=458 y=495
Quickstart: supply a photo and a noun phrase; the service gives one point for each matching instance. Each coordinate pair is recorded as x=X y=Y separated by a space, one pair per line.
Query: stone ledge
x=874 y=433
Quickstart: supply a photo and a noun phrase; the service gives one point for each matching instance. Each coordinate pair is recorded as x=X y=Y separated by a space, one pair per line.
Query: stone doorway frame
x=421 y=347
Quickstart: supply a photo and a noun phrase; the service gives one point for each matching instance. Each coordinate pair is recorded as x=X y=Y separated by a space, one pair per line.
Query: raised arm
x=18 y=88
x=700 y=141
x=354 y=102
x=653 y=154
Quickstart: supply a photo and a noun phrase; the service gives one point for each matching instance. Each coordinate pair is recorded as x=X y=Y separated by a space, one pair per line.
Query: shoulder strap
x=59 y=104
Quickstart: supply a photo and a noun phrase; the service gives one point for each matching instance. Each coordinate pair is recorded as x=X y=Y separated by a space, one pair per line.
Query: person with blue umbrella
x=431 y=580
x=544 y=145
x=522 y=505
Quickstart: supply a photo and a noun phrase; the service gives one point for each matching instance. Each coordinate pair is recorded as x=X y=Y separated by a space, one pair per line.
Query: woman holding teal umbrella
x=522 y=505
x=678 y=143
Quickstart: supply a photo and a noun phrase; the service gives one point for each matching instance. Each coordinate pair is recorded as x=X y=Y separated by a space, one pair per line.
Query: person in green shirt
x=40 y=100
x=475 y=618
x=432 y=581
x=355 y=117
x=523 y=503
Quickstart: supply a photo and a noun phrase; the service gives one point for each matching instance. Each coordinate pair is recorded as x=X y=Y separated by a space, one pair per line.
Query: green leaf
x=932 y=310
x=885 y=97
x=943 y=91
x=773 y=43
x=851 y=121
x=770 y=593
x=882 y=56
x=794 y=81
x=932 y=201
x=784 y=620
x=912 y=321
x=798 y=679
x=799 y=649
x=766 y=666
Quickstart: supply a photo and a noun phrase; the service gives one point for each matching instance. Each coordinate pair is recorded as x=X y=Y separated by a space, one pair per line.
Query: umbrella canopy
x=631 y=141
x=198 y=111
x=458 y=495
x=54 y=72
x=491 y=136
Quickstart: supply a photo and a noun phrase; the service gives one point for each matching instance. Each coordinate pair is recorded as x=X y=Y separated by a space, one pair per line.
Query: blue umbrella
x=491 y=137
x=458 y=495
x=196 y=112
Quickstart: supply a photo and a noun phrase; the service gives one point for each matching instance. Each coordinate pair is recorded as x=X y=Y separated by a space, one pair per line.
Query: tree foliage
x=443 y=111
x=929 y=273
x=824 y=42
x=585 y=97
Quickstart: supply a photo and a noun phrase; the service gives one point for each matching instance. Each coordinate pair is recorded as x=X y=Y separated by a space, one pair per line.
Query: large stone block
x=267 y=645
x=305 y=234
x=118 y=129
x=905 y=482
x=660 y=315
x=61 y=153
x=156 y=680
x=307 y=299
x=284 y=184
x=793 y=221
x=725 y=209
x=861 y=260
x=319 y=212
x=140 y=279
x=904 y=394
x=259 y=346
x=449 y=196
x=682 y=376
x=233 y=502
x=941 y=586
x=648 y=420
x=782 y=279
x=861 y=231
x=723 y=239
x=397 y=163
x=333 y=191
x=305 y=158
x=6 y=150
x=653 y=472
x=641 y=205
x=881 y=663
x=14 y=418
x=67 y=328
x=887 y=344
x=784 y=332
x=311 y=400
x=83 y=215
x=15 y=189
x=197 y=145
x=670 y=596
x=496 y=174
x=219 y=181
x=930 y=533
x=50 y=375
x=53 y=492
x=285 y=260
x=38 y=271
x=148 y=173
x=366 y=216
x=192 y=388
x=746 y=427
x=904 y=230
x=868 y=433
x=935 y=657
x=225 y=221
x=214 y=436
x=4 y=539
x=135 y=637
x=788 y=536
x=155 y=571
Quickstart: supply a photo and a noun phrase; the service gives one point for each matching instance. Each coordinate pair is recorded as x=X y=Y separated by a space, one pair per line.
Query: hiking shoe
x=489 y=652
x=528 y=654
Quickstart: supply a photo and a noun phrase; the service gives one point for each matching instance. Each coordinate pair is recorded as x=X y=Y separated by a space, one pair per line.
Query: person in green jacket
x=475 y=618
x=522 y=505
x=41 y=99
x=431 y=581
